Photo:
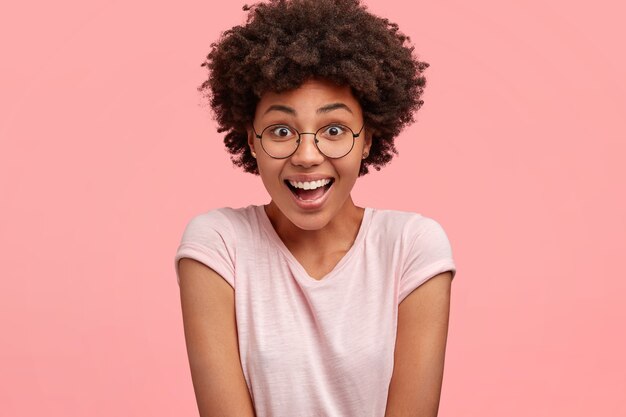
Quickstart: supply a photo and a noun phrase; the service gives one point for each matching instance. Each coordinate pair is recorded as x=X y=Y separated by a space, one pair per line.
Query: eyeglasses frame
x=316 y=140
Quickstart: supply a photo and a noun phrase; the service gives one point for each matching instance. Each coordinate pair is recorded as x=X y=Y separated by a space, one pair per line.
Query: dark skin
x=423 y=317
x=278 y=53
x=294 y=42
x=317 y=237
x=318 y=254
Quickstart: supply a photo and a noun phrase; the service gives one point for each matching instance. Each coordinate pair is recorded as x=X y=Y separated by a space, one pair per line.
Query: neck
x=340 y=231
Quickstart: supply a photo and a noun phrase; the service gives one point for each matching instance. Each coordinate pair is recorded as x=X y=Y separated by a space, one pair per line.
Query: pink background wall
x=106 y=153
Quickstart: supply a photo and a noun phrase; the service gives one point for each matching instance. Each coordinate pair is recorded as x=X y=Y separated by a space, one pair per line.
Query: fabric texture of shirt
x=312 y=347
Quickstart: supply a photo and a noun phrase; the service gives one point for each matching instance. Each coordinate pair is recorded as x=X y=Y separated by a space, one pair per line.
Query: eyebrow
x=280 y=107
x=333 y=106
x=324 y=109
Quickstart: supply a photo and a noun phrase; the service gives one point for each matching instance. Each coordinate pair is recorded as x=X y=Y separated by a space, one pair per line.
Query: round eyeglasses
x=280 y=141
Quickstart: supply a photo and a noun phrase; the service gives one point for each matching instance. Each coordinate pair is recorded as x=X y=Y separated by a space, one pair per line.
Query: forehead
x=310 y=97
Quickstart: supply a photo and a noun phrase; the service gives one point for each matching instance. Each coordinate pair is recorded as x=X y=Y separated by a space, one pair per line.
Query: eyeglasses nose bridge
x=315 y=142
x=308 y=133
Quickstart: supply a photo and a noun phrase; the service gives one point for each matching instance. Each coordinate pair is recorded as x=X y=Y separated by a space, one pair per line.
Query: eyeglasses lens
x=281 y=141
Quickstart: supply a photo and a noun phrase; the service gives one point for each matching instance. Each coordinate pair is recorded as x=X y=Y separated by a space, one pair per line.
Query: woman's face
x=315 y=104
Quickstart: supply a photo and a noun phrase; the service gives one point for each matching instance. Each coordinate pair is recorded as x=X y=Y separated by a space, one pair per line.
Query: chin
x=309 y=221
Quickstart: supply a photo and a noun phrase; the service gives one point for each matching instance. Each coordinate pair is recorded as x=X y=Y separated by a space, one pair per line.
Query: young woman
x=311 y=305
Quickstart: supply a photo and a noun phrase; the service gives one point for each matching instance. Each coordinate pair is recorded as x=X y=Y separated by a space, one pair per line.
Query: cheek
x=350 y=167
x=349 y=172
x=269 y=172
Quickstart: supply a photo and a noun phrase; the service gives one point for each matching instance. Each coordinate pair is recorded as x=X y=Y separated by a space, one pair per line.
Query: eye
x=280 y=132
x=335 y=133
x=334 y=130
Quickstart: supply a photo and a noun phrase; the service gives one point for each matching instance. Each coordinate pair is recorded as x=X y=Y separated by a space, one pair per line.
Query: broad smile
x=310 y=194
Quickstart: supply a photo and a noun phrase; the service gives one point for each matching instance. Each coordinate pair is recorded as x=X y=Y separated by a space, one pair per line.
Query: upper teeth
x=311 y=185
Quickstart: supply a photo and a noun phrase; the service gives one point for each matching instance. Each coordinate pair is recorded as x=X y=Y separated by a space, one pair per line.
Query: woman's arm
x=208 y=306
x=415 y=387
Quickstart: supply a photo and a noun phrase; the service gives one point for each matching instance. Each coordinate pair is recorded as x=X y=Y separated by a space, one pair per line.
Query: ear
x=367 y=142
x=251 y=137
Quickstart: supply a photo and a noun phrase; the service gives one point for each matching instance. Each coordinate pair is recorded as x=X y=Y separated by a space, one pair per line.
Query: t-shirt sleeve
x=429 y=254
x=209 y=238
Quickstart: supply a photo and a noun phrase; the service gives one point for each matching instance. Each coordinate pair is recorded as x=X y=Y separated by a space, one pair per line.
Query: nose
x=307 y=153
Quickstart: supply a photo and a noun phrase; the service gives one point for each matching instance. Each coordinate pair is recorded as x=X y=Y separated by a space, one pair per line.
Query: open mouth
x=311 y=194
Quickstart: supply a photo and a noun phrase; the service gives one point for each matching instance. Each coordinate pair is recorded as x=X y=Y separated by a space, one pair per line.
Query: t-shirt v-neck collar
x=302 y=275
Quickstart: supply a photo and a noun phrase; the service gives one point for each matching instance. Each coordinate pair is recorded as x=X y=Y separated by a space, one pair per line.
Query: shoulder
x=398 y=223
x=413 y=232
x=214 y=237
x=423 y=248
x=223 y=222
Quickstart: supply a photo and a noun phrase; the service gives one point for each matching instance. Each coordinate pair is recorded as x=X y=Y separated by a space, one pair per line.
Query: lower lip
x=311 y=204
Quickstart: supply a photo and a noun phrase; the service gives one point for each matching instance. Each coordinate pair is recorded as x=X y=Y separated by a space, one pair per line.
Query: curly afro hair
x=286 y=42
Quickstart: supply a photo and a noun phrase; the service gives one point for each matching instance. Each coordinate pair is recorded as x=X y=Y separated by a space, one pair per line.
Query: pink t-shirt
x=313 y=347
